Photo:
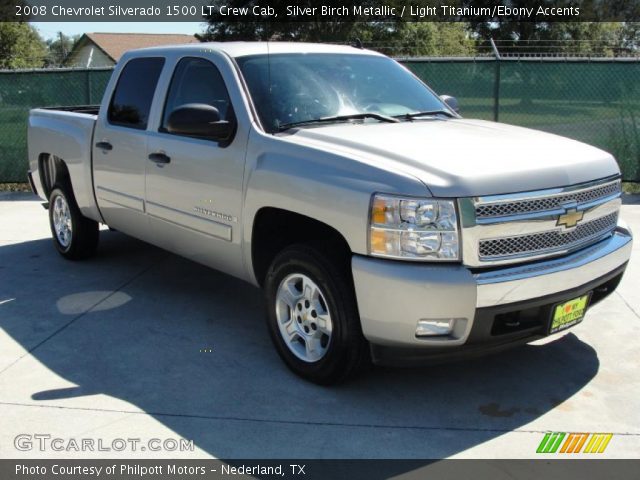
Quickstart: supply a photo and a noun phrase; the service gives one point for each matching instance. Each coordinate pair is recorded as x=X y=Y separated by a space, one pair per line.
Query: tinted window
x=132 y=99
x=196 y=80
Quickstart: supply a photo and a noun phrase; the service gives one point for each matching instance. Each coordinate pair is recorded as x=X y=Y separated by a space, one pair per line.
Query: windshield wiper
x=427 y=113
x=339 y=118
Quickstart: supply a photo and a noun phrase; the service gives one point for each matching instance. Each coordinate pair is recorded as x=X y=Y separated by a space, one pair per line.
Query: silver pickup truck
x=380 y=223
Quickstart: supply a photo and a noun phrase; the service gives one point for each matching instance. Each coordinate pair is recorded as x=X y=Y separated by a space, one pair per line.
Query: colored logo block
x=563 y=442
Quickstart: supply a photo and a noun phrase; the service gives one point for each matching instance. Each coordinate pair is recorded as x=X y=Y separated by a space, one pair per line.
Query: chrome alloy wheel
x=303 y=317
x=62 y=221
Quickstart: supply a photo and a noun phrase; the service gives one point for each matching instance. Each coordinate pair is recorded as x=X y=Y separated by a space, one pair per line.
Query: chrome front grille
x=520 y=227
x=549 y=241
x=517 y=207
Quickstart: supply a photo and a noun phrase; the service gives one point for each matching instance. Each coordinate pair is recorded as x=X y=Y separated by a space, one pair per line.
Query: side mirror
x=452 y=102
x=199 y=120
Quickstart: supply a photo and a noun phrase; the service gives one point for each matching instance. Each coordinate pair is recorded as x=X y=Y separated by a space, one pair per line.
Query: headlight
x=413 y=228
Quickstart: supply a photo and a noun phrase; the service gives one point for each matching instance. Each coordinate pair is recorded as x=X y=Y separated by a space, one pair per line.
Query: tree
x=560 y=38
x=391 y=37
x=524 y=36
x=225 y=28
x=428 y=39
x=518 y=35
x=20 y=46
x=629 y=39
x=59 y=48
x=586 y=39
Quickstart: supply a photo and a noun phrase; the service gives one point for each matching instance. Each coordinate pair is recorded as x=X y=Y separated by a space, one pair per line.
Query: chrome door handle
x=159 y=158
x=104 y=146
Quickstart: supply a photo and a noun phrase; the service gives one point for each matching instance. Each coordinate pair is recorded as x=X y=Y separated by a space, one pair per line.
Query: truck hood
x=462 y=158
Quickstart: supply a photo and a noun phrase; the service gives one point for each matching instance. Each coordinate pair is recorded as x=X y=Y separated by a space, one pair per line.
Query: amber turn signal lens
x=378 y=239
x=379 y=211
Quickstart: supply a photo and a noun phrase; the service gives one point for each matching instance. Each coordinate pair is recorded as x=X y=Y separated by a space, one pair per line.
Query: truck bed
x=88 y=109
x=65 y=132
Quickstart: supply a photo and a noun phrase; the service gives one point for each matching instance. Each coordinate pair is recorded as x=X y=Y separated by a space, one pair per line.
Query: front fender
x=327 y=187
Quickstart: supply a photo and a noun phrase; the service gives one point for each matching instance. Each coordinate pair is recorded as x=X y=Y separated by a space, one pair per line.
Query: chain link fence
x=23 y=90
x=595 y=101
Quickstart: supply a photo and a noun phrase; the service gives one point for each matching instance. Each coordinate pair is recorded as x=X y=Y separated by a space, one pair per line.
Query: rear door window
x=131 y=101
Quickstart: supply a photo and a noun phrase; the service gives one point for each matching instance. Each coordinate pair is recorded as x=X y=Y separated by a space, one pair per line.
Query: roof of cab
x=241 y=49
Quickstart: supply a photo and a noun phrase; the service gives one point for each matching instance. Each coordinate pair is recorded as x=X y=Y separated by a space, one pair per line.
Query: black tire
x=347 y=351
x=83 y=240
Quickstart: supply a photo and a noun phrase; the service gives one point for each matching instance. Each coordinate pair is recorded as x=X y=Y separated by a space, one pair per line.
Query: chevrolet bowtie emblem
x=570 y=219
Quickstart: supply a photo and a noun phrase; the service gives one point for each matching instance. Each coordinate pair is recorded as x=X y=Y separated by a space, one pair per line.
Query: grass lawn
x=539 y=112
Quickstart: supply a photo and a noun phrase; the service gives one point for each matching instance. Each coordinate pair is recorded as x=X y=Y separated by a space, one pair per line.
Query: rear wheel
x=313 y=317
x=74 y=236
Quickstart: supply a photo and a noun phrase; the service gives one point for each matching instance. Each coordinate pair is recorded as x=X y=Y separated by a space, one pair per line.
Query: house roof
x=116 y=44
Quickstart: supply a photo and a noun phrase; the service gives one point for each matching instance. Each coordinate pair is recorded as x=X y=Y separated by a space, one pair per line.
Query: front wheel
x=74 y=236
x=313 y=316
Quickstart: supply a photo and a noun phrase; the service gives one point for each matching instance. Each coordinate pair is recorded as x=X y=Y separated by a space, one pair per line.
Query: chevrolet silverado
x=380 y=224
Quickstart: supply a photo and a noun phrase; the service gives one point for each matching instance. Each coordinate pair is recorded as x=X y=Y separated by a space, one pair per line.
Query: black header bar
x=319 y=11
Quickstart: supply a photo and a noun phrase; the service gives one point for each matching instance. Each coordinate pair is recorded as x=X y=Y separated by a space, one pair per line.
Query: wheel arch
x=275 y=229
x=54 y=172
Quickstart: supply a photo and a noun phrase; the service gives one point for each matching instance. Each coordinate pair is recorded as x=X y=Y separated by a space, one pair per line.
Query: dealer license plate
x=569 y=313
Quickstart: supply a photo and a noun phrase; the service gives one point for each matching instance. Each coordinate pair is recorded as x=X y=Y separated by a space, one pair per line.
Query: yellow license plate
x=569 y=313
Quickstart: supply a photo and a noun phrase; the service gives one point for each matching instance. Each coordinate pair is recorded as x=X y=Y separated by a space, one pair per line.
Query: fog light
x=434 y=327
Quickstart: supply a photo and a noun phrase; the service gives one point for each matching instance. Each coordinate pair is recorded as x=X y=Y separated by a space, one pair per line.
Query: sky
x=51 y=29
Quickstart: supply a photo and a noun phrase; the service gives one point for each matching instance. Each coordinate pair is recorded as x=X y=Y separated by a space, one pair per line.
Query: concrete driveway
x=140 y=344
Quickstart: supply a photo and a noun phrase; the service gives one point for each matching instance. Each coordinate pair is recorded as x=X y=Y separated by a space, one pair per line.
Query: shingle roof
x=115 y=44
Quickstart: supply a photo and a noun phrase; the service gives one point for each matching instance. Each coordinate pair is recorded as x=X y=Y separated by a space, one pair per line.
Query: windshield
x=293 y=88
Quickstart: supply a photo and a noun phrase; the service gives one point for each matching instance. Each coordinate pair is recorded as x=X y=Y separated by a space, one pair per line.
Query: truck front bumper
x=492 y=308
